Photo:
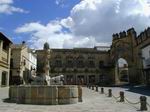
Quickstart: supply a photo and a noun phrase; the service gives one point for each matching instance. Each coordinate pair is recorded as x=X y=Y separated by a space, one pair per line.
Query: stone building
x=128 y=45
x=143 y=44
x=23 y=62
x=99 y=66
x=123 y=46
x=5 y=50
x=146 y=63
x=80 y=65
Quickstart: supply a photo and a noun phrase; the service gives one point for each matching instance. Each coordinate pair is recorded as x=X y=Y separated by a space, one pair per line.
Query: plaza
x=92 y=102
x=74 y=55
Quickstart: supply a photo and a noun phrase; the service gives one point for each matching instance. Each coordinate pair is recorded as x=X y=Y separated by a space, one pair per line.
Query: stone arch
x=122 y=48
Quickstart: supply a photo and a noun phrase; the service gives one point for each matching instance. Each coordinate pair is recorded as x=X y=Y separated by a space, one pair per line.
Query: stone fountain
x=45 y=90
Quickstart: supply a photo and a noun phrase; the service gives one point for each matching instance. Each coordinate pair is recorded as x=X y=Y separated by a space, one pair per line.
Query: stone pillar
x=117 y=81
x=92 y=87
x=89 y=86
x=80 y=93
x=143 y=101
x=121 y=96
x=96 y=88
x=102 y=90
x=109 y=93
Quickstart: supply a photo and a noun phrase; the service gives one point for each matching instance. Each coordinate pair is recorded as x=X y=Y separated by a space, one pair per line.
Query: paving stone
x=92 y=102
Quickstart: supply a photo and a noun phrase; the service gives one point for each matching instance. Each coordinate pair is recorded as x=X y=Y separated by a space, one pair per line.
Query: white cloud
x=54 y=34
x=102 y=18
x=6 y=7
x=91 y=22
x=61 y=3
x=6 y=1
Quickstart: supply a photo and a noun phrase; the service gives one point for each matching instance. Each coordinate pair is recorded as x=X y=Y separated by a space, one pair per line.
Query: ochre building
x=80 y=65
x=5 y=50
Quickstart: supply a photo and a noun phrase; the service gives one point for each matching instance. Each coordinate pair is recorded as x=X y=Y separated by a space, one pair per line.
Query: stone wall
x=46 y=95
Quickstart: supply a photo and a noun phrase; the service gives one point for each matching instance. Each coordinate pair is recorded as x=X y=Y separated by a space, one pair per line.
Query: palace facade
x=99 y=65
x=80 y=65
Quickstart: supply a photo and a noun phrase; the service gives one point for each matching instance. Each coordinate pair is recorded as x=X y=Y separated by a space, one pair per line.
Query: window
x=91 y=64
x=58 y=63
x=80 y=64
x=101 y=64
x=69 y=64
x=5 y=46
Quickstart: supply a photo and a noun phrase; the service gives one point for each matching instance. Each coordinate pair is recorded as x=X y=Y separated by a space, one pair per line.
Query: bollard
x=102 y=90
x=92 y=87
x=80 y=94
x=121 y=96
x=89 y=86
x=143 y=103
x=96 y=88
x=109 y=93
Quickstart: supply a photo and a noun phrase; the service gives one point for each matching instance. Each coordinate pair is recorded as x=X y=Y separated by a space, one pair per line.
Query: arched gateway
x=123 y=46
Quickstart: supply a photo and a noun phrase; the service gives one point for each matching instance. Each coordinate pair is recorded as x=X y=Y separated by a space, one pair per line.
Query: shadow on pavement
x=7 y=100
x=144 y=90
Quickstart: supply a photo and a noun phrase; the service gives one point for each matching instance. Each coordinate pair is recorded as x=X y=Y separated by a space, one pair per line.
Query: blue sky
x=37 y=10
x=71 y=23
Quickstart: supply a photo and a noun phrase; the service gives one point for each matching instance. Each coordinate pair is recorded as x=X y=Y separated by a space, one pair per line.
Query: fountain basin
x=45 y=95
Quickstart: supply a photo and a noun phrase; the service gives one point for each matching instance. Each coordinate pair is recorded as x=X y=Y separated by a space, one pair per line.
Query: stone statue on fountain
x=43 y=76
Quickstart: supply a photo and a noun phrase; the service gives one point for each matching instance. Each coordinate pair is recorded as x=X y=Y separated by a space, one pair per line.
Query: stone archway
x=123 y=47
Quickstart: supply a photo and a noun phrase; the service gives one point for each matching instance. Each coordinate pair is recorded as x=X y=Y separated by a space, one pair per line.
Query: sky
x=71 y=23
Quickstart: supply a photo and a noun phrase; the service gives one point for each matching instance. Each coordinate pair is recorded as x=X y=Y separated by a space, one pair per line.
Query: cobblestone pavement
x=92 y=102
